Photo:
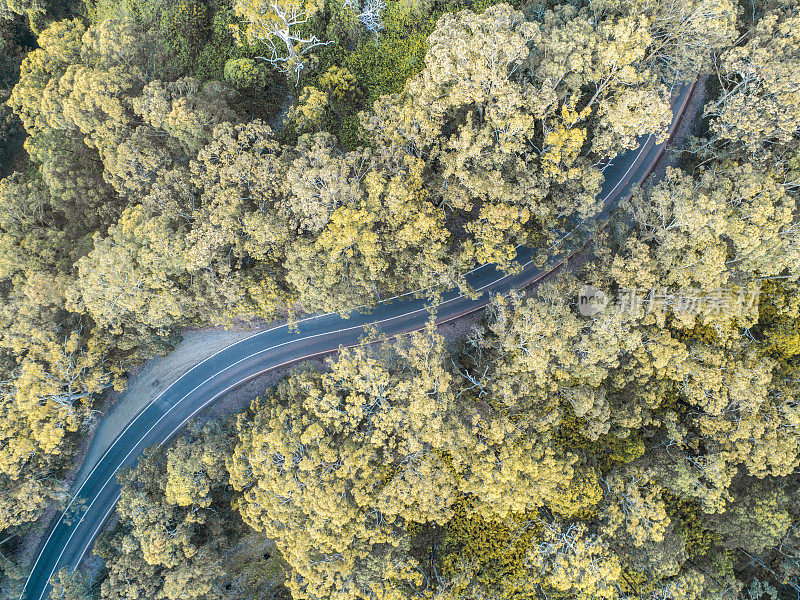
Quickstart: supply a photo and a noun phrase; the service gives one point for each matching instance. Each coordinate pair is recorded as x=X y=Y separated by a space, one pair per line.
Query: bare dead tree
x=282 y=22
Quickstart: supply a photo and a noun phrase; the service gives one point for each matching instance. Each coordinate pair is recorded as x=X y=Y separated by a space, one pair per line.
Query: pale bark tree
x=276 y=22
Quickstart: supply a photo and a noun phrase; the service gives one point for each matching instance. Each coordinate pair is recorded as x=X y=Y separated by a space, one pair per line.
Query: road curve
x=166 y=414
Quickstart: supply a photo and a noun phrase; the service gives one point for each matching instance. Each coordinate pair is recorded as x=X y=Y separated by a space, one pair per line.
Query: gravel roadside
x=688 y=126
x=147 y=382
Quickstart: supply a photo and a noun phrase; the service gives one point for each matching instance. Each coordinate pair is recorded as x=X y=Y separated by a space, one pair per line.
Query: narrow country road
x=166 y=414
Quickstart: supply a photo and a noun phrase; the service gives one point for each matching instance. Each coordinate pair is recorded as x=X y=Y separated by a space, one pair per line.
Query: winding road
x=165 y=415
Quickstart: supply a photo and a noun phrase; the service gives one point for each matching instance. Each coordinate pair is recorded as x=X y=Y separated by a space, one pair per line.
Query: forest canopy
x=195 y=163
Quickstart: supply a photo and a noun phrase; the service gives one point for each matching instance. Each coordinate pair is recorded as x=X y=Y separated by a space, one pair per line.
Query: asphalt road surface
x=67 y=542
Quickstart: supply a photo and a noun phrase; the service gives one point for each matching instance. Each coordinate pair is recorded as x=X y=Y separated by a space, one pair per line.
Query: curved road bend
x=278 y=346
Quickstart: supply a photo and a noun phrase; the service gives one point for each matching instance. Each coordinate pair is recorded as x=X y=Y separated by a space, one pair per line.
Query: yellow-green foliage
x=380 y=64
x=580 y=497
x=625 y=450
x=785 y=337
x=779 y=316
x=187 y=17
x=569 y=437
x=340 y=84
x=383 y=66
x=699 y=333
x=605 y=452
x=495 y=551
x=245 y=72
x=633 y=581
x=686 y=514
x=195 y=34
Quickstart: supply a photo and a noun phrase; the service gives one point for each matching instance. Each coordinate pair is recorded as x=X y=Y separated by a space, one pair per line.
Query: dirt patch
x=146 y=383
